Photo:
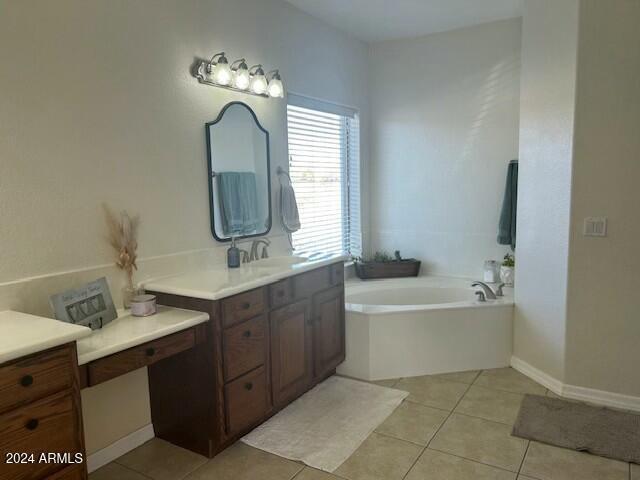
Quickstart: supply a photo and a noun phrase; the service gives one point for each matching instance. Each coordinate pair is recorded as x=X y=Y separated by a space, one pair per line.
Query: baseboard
x=119 y=448
x=537 y=375
x=590 y=395
x=601 y=397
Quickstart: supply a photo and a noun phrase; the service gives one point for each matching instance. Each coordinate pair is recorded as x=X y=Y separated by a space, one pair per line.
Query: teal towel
x=238 y=201
x=507 y=225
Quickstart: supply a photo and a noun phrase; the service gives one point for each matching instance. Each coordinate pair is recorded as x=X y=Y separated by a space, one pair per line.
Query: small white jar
x=143 y=305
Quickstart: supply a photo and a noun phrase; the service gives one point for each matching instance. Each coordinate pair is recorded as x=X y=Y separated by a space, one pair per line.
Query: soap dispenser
x=233 y=255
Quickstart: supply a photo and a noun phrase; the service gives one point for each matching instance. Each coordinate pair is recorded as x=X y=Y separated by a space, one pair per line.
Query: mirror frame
x=211 y=177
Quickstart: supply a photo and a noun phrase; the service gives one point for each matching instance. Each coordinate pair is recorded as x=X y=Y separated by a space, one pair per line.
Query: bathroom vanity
x=226 y=350
x=262 y=348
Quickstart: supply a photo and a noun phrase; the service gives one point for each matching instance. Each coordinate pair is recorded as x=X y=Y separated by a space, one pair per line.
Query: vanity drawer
x=35 y=377
x=246 y=400
x=281 y=293
x=244 y=347
x=137 y=357
x=306 y=284
x=46 y=426
x=336 y=274
x=243 y=307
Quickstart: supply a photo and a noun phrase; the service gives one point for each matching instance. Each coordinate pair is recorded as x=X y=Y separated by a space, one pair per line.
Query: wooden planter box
x=403 y=268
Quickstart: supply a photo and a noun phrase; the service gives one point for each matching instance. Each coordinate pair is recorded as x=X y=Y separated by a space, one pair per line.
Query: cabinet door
x=291 y=368
x=328 y=330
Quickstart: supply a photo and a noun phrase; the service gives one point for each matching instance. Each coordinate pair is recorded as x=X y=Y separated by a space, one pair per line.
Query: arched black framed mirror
x=239 y=174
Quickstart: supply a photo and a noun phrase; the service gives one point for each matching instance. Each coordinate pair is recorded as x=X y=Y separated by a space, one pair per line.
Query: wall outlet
x=595 y=227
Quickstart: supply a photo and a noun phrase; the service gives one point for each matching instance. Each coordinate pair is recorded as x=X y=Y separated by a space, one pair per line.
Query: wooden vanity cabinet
x=328 y=330
x=264 y=348
x=41 y=414
x=291 y=351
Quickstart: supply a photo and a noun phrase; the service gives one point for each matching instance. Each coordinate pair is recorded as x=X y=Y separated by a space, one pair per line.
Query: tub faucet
x=486 y=288
x=254 y=249
x=480 y=295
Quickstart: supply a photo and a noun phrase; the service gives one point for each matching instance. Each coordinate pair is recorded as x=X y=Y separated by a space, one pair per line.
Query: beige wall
x=444 y=123
x=98 y=105
x=603 y=326
x=549 y=46
x=576 y=302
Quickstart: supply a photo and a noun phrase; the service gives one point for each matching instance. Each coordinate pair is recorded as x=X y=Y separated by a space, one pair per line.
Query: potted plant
x=507 y=270
x=383 y=265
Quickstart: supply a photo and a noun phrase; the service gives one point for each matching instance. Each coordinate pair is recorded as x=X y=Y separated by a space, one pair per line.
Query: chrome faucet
x=245 y=255
x=487 y=290
x=254 y=249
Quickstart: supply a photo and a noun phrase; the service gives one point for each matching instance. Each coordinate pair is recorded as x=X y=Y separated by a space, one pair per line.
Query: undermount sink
x=275 y=262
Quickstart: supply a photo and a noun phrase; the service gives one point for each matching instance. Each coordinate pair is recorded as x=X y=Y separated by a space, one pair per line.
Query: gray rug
x=598 y=430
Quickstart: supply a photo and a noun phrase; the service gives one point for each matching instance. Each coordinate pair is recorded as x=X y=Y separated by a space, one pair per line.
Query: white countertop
x=220 y=282
x=22 y=334
x=128 y=331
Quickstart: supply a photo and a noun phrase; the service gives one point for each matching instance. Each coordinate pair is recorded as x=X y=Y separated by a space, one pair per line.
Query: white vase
x=507 y=275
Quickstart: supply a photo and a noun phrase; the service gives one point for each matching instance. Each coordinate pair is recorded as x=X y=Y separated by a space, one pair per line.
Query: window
x=324 y=165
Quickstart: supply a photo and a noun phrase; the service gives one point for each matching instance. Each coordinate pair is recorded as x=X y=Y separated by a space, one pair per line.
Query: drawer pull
x=246 y=305
x=150 y=352
x=248 y=386
x=247 y=334
x=26 y=381
x=32 y=424
x=280 y=293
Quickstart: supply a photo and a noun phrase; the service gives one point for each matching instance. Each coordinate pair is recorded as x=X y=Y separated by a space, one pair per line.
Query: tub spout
x=487 y=290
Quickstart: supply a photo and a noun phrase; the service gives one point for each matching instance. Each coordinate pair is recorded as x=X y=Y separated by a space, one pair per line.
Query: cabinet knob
x=246 y=305
x=32 y=424
x=280 y=293
x=26 y=381
x=247 y=334
x=150 y=352
x=248 y=386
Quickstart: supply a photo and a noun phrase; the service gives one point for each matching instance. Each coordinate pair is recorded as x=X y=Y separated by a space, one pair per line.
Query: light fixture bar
x=235 y=76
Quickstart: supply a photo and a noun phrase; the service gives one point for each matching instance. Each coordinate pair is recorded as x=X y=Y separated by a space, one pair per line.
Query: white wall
x=603 y=325
x=549 y=46
x=98 y=105
x=444 y=126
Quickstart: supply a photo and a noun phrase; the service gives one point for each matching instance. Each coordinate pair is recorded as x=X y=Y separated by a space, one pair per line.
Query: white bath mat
x=327 y=424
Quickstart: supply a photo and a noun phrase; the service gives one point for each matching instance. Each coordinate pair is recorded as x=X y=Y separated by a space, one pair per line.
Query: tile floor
x=451 y=427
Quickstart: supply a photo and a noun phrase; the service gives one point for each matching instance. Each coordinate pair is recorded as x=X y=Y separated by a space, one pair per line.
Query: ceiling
x=378 y=20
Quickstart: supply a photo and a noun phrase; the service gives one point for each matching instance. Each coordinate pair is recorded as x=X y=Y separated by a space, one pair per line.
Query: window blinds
x=324 y=165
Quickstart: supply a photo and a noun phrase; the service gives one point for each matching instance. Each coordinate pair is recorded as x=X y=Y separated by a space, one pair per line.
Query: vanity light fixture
x=275 y=88
x=258 y=80
x=217 y=72
x=241 y=77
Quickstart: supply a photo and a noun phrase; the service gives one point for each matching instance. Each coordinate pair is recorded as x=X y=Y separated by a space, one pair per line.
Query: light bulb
x=259 y=82
x=275 y=88
x=222 y=72
x=242 y=77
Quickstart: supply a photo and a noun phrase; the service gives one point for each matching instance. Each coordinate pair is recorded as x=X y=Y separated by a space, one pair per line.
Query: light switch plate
x=595 y=227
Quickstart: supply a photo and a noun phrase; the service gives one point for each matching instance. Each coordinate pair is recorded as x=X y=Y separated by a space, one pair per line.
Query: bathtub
x=426 y=325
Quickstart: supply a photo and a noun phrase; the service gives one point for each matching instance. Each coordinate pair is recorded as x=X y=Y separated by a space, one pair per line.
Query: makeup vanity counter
x=276 y=330
x=45 y=362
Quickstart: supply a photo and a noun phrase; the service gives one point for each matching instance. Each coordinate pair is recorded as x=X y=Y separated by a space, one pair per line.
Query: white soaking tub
x=426 y=325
